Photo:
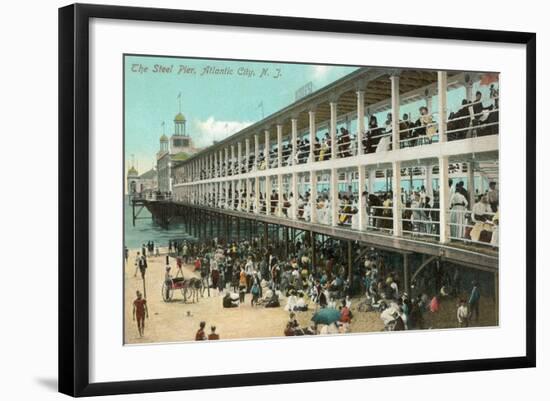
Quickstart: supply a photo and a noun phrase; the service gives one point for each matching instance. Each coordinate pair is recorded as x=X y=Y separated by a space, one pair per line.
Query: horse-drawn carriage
x=190 y=288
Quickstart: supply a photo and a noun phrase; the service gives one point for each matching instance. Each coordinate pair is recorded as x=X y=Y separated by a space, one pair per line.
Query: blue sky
x=215 y=105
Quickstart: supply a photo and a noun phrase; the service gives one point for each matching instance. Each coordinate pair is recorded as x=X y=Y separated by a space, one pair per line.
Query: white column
x=334 y=202
x=267 y=195
x=279 y=146
x=256 y=148
x=266 y=150
x=360 y=120
x=227 y=196
x=333 y=117
x=279 y=210
x=230 y=192
x=294 y=134
x=444 y=197
x=246 y=152
x=226 y=153
x=247 y=198
x=361 y=204
x=442 y=104
x=312 y=136
x=215 y=167
x=313 y=200
x=257 y=194
x=169 y=176
x=239 y=157
x=232 y=159
x=396 y=205
x=294 y=190
x=395 y=111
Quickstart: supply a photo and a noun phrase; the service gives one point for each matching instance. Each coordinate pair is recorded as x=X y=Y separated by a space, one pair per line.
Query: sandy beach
x=177 y=321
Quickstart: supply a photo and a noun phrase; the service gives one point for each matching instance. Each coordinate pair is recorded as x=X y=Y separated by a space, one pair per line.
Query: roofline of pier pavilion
x=375 y=84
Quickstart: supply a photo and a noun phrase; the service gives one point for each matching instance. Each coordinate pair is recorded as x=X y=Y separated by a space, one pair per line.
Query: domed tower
x=180 y=141
x=179 y=125
x=132 y=178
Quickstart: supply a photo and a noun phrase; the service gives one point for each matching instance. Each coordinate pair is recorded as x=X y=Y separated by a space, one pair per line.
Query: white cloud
x=209 y=130
x=321 y=72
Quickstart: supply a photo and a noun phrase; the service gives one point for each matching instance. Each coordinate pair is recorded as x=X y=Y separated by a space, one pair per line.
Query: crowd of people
x=245 y=273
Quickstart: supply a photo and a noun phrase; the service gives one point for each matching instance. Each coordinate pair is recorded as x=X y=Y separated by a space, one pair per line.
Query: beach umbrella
x=326 y=316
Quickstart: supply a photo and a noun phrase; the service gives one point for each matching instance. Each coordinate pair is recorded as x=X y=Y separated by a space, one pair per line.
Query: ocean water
x=145 y=230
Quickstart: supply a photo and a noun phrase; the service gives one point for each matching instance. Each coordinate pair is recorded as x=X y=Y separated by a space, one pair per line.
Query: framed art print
x=297 y=199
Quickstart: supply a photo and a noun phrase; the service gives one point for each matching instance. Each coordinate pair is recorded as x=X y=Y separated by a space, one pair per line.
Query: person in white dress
x=290 y=209
x=458 y=205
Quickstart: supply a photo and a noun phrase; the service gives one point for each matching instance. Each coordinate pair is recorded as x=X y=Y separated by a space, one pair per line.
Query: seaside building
x=143 y=184
x=132 y=181
x=172 y=152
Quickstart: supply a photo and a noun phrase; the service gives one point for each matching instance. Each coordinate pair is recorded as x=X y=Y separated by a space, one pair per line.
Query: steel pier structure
x=300 y=168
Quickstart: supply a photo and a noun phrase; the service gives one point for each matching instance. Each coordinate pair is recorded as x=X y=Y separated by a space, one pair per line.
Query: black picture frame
x=74 y=201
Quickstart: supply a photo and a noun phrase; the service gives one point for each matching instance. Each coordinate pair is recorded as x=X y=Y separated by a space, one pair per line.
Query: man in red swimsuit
x=140 y=312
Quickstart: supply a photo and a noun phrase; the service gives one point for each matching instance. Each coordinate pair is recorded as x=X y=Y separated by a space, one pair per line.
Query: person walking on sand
x=126 y=254
x=142 y=266
x=136 y=263
x=140 y=312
